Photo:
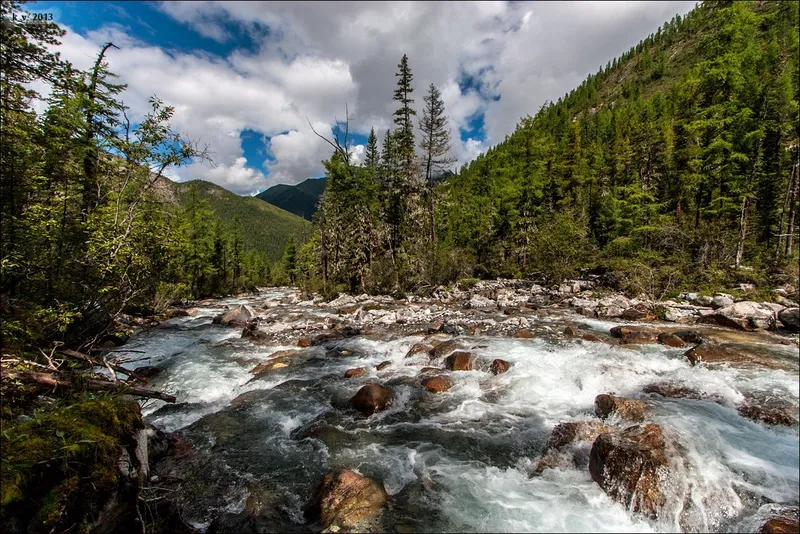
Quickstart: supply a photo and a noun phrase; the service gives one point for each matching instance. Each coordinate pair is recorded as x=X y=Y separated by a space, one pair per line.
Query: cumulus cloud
x=318 y=56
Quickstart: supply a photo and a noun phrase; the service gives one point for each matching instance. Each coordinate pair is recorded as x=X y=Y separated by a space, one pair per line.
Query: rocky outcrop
x=630 y=409
x=790 y=318
x=632 y=468
x=238 y=316
x=745 y=315
x=500 y=366
x=437 y=384
x=343 y=499
x=372 y=398
x=355 y=373
x=460 y=361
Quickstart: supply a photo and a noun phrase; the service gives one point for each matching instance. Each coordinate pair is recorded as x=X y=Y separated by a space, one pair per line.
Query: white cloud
x=319 y=56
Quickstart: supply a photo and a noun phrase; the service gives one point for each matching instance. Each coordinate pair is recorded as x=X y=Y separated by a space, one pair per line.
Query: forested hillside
x=265 y=228
x=300 y=199
x=674 y=166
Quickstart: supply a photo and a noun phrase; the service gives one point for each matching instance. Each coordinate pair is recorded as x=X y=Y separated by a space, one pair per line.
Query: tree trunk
x=742 y=232
x=792 y=209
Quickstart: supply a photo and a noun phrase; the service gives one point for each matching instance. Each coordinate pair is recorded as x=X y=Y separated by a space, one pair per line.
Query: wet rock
x=672 y=390
x=630 y=409
x=780 y=519
x=591 y=337
x=724 y=353
x=372 y=398
x=338 y=333
x=631 y=466
x=768 y=409
x=383 y=365
x=355 y=373
x=670 y=340
x=523 y=334
x=238 y=316
x=570 y=331
x=634 y=334
x=640 y=312
x=429 y=369
x=157 y=443
x=148 y=371
x=418 y=348
x=500 y=366
x=339 y=352
x=744 y=315
x=261 y=513
x=344 y=499
x=445 y=347
x=567 y=433
x=460 y=361
x=251 y=331
x=304 y=342
x=689 y=336
x=790 y=318
x=437 y=384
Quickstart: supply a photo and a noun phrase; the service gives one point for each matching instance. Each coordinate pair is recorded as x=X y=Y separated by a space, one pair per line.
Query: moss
x=61 y=465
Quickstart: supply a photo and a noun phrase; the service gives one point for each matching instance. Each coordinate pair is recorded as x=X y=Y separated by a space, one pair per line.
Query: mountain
x=266 y=227
x=300 y=199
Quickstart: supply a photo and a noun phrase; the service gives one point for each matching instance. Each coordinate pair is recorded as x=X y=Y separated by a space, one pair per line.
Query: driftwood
x=101 y=363
x=48 y=380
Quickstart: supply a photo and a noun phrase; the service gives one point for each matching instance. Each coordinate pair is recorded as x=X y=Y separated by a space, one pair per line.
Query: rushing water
x=459 y=461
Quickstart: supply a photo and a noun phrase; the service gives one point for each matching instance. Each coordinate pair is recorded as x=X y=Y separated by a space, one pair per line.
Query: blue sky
x=247 y=77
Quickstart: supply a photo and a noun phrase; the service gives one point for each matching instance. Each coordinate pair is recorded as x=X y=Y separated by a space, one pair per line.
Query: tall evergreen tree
x=435 y=145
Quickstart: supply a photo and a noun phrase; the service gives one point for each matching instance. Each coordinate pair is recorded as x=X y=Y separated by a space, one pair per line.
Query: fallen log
x=94 y=361
x=48 y=380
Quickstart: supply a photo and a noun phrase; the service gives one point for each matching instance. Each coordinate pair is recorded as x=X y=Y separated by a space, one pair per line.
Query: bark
x=742 y=232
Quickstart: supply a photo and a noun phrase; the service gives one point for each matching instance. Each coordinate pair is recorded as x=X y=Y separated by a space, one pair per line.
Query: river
x=460 y=461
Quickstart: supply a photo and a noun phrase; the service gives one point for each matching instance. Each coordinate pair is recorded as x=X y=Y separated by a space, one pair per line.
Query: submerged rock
x=671 y=340
x=148 y=371
x=566 y=433
x=500 y=366
x=780 y=519
x=446 y=347
x=372 y=398
x=460 y=361
x=276 y=360
x=631 y=466
x=631 y=409
x=355 y=373
x=672 y=390
x=344 y=499
x=383 y=365
x=689 y=336
x=437 y=384
x=634 y=334
x=523 y=334
x=591 y=337
x=238 y=316
x=768 y=409
x=418 y=348
x=570 y=331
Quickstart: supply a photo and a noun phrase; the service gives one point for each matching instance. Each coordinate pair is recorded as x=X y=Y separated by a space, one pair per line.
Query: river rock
x=445 y=347
x=304 y=342
x=238 y=316
x=346 y=500
x=429 y=369
x=372 y=398
x=724 y=353
x=276 y=360
x=744 y=315
x=570 y=331
x=355 y=372
x=768 y=409
x=640 y=312
x=566 y=433
x=383 y=365
x=500 y=366
x=523 y=334
x=634 y=334
x=148 y=371
x=630 y=409
x=720 y=301
x=678 y=315
x=672 y=390
x=418 y=348
x=780 y=519
x=460 y=361
x=590 y=337
x=478 y=301
x=631 y=466
x=342 y=300
x=437 y=384
x=790 y=317
x=670 y=340
x=689 y=336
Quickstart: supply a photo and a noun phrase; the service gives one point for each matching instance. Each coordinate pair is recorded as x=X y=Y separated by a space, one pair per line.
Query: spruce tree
x=435 y=146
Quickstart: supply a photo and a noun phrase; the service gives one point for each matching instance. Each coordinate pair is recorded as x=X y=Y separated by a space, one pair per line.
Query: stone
x=355 y=372
x=672 y=390
x=634 y=334
x=769 y=410
x=630 y=409
x=790 y=318
x=723 y=353
x=148 y=371
x=591 y=337
x=446 y=347
x=570 y=331
x=437 y=384
x=418 y=348
x=372 y=398
x=238 y=316
x=500 y=366
x=720 y=301
x=671 y=340
x=460 y=361
x=640 y=312
x=477 y=301
x=780 y=519
x=523 y=334
x=678 y=315
x=689 y=336
x=304 y=342
x=383 y=365
x=632 y=467
x=277 y=360
x=343 y=499
x=341 y=301
x=429 y=369
x=744 y=315
x=567 y=433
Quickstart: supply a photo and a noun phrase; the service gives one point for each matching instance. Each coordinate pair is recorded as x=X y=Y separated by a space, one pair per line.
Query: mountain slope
x=266 y=227
x=300 y=199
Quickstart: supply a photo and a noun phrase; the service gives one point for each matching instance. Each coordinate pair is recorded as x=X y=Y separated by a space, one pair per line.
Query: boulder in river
x=790 y=317
x=590 y=337
x=689 y=336
x=630 y=409
x=343 y=499
x=148 y=371
x=728 y=353
x=304 y=342
x=570 y=331
x=780 y=519
x=640 y=312
x=372 y=398
x=276 y=360
x=672 y=390
x=446 y=347
x=634 y=334
x=523 y=334
x=500 y=366
x=631 y=466
x=670 y=340
x=460 y=361
x=418 y=348
x=239 y=316
x=566 y=433
x=768 y=409
x=383 y=365
x=437 y=384
x=744 y=315
x=355 y=372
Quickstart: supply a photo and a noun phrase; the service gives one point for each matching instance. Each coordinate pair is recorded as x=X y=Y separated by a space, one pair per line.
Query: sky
x=247 y=78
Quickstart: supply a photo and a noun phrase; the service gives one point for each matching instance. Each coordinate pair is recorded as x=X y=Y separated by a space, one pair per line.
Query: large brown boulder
x=670 y=340
x=630 y=409
x=634 y=334
x=418 y=348
x=372 y=398
x=355 y=373
x=689 y=336
x=437 y=384
x=345 y=500
x=790 y=318
x=631 y=466
x=768 y=409
x=567 y=433
x=672 y=390
x=744 y=315
x=714 y=353
x=383 y=365
x=238 y=316
x=640 y=312
x=446 y=347
x=460 y=361
x=500 y=366
x=780 y=519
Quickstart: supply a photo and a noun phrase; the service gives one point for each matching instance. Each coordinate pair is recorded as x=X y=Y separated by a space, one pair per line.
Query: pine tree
x=404 y=133
x=435 y=146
